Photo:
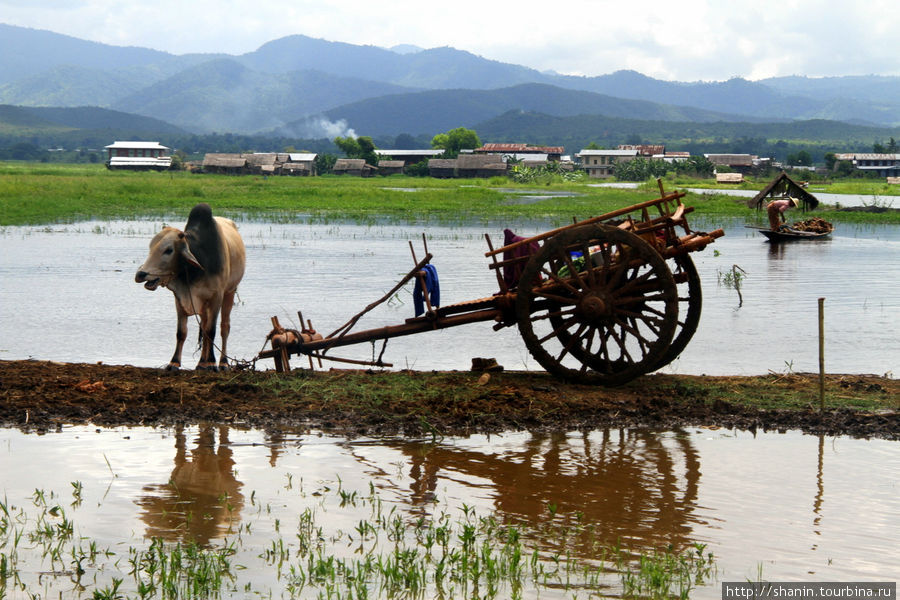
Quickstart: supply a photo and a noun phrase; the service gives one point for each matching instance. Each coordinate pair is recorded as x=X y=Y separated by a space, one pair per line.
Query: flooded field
x=274 y=507
x=68 y=294
x=280 y=514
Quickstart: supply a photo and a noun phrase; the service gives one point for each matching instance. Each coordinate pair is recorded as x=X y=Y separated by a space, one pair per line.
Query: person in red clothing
x=776 y=209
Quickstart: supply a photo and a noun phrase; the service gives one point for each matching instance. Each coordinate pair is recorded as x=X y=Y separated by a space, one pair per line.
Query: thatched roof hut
x=224 y=163
x=783 y=187
x=353 y=166
x=390 y=167
x=480 y=165
x=442 y=167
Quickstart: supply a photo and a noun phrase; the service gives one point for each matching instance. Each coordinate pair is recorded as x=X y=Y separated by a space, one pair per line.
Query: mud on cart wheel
x=597 y=304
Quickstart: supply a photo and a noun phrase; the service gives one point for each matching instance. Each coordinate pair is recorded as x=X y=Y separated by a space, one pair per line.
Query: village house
x=599 y=164
x=740 y=163
x=442 y=168
x=480 y=165
x=410 y=157
x=523 y=151
x=264 y=163
x=302 y=164
x=390 y=167
x=886 y=165
x=467 y=165
x=138 y=155
x=224 y=164
x=260 y=163
x=671 y=157
x=645 y=150
x=353 y=166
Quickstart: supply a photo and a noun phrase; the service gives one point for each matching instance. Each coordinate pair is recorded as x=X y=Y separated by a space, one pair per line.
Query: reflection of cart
x=602 y=301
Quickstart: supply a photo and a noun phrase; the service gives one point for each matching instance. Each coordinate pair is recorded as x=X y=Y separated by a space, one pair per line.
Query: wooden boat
x=787 y=234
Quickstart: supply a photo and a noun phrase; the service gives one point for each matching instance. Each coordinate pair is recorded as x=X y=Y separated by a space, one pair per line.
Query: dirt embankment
x=40 y=395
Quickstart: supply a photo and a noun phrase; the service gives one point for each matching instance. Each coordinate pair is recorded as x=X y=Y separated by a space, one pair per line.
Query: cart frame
x=602 y=300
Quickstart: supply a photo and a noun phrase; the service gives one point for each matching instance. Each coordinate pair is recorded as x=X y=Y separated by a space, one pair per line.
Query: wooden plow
x=600 y=301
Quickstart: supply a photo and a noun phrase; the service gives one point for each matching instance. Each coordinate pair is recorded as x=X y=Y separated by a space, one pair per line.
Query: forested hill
x=300 y=79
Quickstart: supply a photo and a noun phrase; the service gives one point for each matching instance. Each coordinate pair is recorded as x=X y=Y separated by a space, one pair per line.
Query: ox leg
x=180 y=336
x=208 y=316
x=225 y=329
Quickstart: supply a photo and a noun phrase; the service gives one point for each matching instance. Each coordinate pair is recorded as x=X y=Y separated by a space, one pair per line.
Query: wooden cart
x=601 y=301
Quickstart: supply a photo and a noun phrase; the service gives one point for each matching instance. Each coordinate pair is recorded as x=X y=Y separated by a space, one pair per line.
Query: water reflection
x=634 y=485
x=202 y=499
x=796 y=505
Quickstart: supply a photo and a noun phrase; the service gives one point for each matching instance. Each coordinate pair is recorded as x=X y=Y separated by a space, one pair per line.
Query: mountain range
x=304 y=87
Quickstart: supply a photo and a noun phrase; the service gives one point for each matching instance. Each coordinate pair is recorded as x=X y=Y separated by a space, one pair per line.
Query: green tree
x=178 y=160
x=830 y=160
x=361 y=147
x=696 y=165
x=419 y=169
x=640 y=169
x=455 y=140
x=844 y=168
x=325 y=163
x=892 y=146
x=878 y=148
x=801 y=158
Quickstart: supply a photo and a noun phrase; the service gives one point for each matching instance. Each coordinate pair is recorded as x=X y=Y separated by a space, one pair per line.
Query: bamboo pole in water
x=821 y=354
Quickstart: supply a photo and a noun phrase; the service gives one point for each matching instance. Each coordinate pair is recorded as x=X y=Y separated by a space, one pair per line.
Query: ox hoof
x=173 y=367
x=207 y=367
x=224 y=367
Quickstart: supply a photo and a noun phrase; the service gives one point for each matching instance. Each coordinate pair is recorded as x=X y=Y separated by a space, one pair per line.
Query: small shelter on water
x=783 y=187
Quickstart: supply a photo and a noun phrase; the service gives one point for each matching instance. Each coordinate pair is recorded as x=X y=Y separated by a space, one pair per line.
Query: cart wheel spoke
x=690 y=302
x=604 y=318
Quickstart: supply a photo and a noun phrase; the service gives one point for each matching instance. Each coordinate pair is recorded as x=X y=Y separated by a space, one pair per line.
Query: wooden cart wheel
x=690 y=302
x=605 y=320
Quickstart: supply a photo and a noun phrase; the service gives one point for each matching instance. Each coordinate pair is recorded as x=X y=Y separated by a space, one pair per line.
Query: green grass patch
x=36 y=193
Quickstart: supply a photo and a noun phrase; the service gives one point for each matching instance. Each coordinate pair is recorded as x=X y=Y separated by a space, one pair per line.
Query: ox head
x=169 y=255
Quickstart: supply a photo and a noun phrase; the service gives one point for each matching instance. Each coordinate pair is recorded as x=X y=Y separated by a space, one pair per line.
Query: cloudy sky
x=683 y=40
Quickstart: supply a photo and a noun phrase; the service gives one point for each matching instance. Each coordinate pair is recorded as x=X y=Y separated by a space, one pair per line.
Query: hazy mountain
x=223 y=95
x=28 y=52
x=405 y=49
x=91 y=117
x=82 y=126
x=431 y=69
x=19 y=120
x=308 y=82
x=69 y=85
x=441 y=110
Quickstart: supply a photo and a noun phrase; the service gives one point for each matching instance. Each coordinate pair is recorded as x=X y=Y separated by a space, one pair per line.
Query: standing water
x=275 y=506
x=68 y=294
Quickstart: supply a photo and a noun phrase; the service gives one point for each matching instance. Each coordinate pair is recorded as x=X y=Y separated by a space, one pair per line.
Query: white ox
x=203 y=266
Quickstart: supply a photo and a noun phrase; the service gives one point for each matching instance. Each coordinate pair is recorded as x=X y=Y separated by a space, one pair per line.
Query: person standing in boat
x=776 y=210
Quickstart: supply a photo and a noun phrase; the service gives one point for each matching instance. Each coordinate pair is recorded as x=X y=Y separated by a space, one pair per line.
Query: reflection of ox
x=202 y=497
x=203 y=266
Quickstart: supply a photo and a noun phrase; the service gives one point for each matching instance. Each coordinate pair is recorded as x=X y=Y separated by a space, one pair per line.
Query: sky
x=676 y=40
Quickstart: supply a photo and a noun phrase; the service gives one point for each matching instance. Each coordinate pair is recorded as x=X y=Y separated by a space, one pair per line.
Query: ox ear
x=186 y=253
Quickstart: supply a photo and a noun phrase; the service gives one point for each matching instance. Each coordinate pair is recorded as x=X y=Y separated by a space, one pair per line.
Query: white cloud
x=688 y=40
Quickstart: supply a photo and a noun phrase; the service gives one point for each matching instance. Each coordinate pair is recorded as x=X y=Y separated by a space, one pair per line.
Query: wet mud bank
x=43 y=396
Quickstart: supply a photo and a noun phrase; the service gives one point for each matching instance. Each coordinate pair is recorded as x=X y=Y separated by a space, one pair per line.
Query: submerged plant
x=390 y=553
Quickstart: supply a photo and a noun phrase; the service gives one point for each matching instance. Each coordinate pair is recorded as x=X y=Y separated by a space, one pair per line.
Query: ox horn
x=186 y=253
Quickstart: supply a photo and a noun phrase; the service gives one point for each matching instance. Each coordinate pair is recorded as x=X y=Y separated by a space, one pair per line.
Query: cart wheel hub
x=594 y=308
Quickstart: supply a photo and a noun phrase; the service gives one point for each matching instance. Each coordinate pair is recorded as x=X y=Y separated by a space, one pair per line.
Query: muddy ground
x=42 y=396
